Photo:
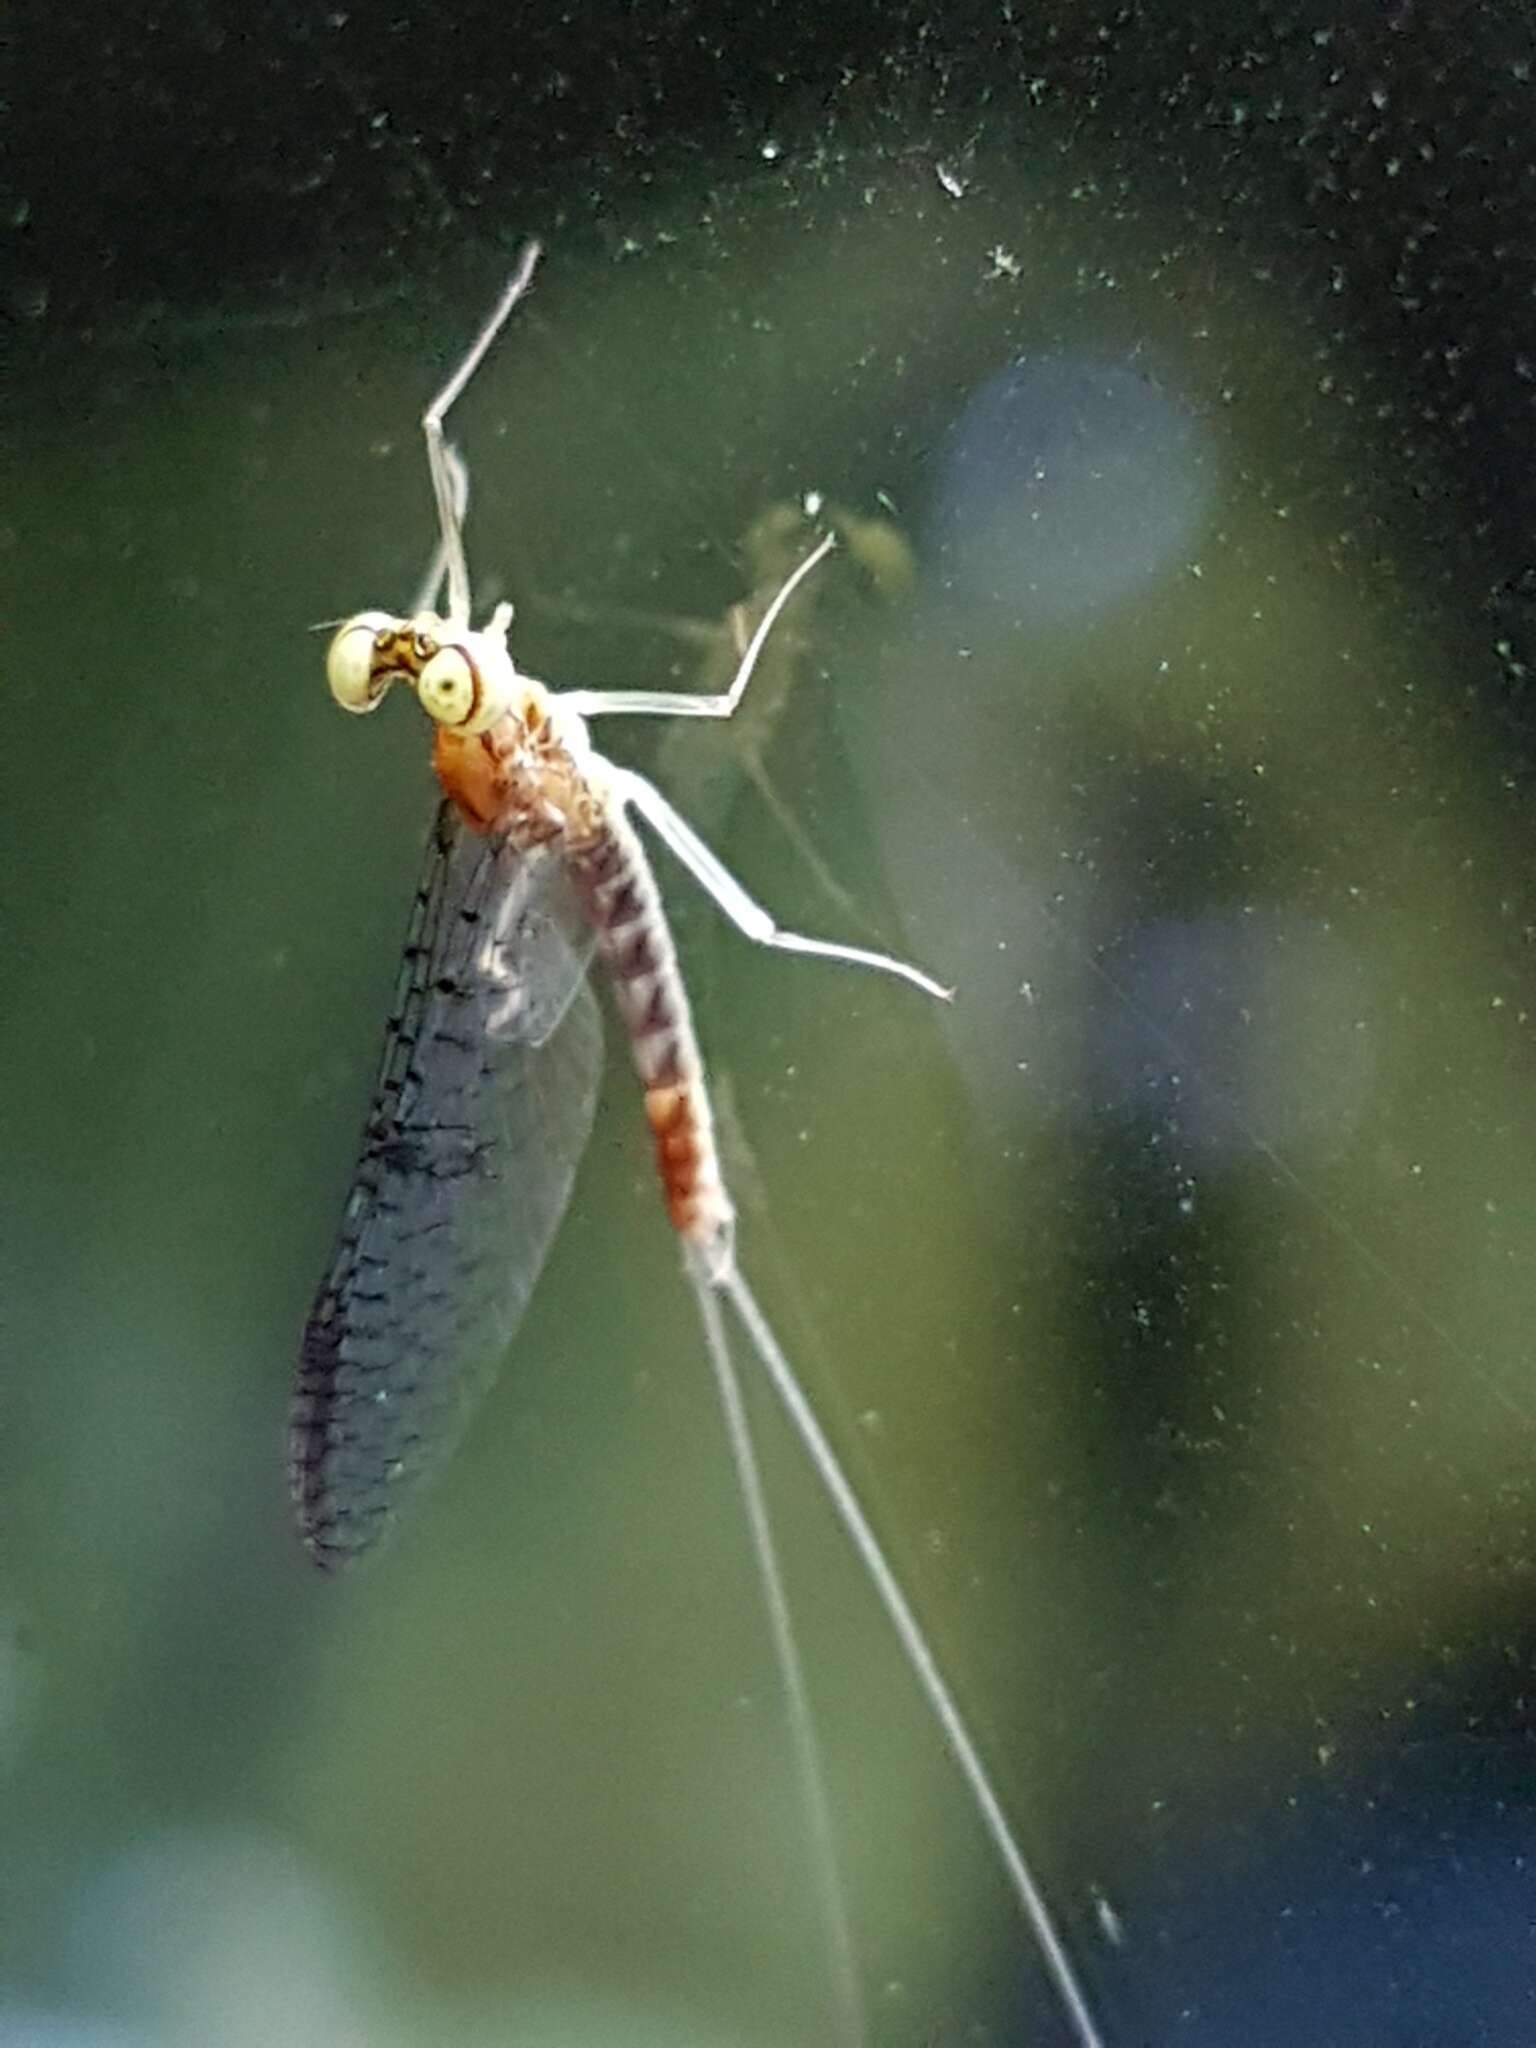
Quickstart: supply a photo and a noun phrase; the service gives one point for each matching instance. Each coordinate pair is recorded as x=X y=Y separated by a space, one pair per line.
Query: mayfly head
x=466 y=680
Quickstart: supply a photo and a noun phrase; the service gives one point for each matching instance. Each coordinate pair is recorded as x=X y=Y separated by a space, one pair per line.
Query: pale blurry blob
x=1068 y=484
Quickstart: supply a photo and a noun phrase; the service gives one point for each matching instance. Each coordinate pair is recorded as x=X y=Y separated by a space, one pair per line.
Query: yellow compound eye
x=351 y=668
x=470 y=685
x=447 y=689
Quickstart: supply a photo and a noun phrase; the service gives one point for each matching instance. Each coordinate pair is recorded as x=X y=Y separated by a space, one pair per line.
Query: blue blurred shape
x=1069 y=484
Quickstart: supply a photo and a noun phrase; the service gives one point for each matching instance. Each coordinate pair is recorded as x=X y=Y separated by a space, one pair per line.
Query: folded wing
x=482 y=1109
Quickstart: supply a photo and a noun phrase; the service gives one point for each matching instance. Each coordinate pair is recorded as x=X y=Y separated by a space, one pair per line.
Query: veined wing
x=482 y=1108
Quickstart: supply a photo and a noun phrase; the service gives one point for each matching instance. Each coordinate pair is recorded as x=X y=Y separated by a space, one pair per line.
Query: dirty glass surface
x=1170 y=375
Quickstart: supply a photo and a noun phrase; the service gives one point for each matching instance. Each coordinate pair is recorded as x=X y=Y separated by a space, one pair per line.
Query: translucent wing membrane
x=483 y=1104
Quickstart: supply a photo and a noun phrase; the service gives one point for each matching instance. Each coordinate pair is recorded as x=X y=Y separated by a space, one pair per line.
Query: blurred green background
x=1169 y=1297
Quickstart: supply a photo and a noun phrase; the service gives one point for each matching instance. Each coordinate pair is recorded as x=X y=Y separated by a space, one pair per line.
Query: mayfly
x=485 y=1094
x=707 y=776
x=693 y=766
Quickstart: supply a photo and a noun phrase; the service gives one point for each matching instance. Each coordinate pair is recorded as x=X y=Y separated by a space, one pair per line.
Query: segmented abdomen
x=635 y=940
